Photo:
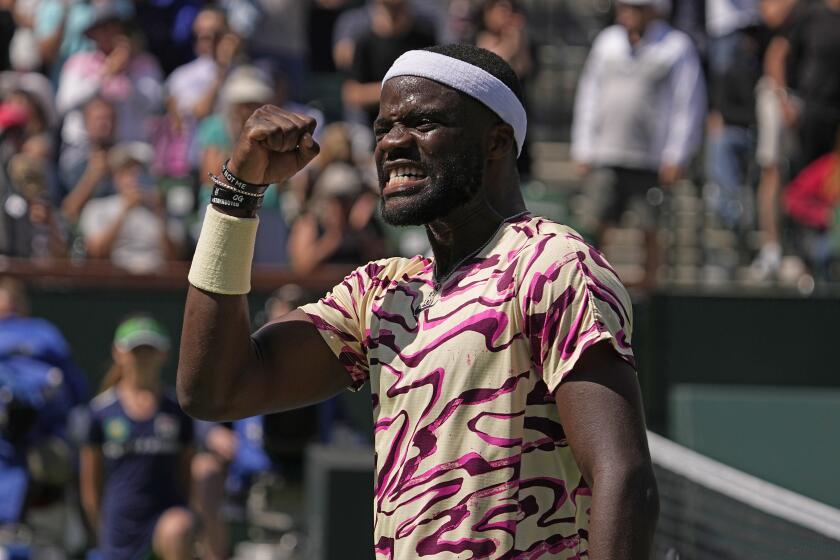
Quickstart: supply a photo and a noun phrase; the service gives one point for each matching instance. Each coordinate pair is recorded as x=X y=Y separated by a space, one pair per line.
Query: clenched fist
x=274 y=145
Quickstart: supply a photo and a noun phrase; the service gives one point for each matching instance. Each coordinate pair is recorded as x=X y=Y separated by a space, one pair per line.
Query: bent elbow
x=197 y=403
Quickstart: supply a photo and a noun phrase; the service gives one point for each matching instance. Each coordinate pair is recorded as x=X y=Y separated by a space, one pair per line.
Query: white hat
x=127 y=152
x=247 y=84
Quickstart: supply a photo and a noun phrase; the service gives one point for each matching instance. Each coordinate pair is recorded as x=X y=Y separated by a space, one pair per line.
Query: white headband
x=468 y=78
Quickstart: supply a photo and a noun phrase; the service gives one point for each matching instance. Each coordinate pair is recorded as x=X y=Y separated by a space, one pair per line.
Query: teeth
x=404 y=174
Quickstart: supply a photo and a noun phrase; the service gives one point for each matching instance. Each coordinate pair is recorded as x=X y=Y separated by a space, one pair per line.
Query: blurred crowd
x=120 y=471
x=740 y=96
x=114 y=112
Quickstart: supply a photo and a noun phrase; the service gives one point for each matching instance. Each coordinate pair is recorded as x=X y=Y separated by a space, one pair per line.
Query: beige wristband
x=222 y=260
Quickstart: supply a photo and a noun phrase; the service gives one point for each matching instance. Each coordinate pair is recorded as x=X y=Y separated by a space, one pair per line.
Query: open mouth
x=404 y=176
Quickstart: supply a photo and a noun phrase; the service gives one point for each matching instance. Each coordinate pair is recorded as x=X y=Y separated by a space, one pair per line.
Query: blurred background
x=695 y=142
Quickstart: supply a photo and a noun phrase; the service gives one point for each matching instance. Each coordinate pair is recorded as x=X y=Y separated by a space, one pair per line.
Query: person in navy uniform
x=135 y=462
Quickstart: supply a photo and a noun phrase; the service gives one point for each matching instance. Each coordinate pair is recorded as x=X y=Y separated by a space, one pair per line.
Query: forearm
x=775 y=61
x=50 y=46
x=625 y=507
x=361 y=95
x=76 y=199
x=217 y=354
x=305 y=259
x=57 y=240
x=90 y=504
x=205 y=105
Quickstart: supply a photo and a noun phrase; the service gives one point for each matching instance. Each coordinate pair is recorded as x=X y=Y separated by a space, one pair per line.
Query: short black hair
x=486 y=60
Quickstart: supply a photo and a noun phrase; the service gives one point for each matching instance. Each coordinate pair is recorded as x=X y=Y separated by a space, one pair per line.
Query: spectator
x=811 y=201
x=83 y=168
x=194 y=87
x=393 y=31
x=167 y=28
x=503 y=30
x=339 y=228
x=24 y=54
x=638 y=117
x=33 y=94
x=731 y=140
x=726 y=21
x=36 y=338
x=355 y=22
x=773 y=130
x=323 y=17
x=34 y=228
x=279 y=38
x=40 y=383
x=60 y=28
x=136 y=457
x=336 y=147
x=192 y=94
x=234 y=456
x=117 y=70
x=209 y=470
x=811 y=63
x=131 y=227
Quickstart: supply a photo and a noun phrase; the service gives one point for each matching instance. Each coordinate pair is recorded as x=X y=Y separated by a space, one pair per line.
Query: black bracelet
x=227 y=198
x=239 y=183
x=218 y=182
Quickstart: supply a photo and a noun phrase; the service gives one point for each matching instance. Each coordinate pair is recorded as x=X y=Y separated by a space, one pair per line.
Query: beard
x=453 y=182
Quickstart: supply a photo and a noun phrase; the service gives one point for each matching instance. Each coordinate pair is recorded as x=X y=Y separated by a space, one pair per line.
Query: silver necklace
x=433 y=296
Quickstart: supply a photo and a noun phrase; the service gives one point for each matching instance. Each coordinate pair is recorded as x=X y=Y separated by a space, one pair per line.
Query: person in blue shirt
x=136 y=458
x=40 y=384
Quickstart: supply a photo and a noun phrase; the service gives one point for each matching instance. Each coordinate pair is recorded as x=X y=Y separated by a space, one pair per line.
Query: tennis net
x=711 y=511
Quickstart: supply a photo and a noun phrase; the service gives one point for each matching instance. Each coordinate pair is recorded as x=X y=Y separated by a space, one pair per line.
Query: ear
x=501 y=141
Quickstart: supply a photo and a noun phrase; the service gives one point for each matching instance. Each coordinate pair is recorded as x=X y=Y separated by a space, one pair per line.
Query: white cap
x=247 y=84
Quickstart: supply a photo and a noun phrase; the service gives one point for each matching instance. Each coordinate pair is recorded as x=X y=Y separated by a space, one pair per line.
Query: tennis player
x=508 y=418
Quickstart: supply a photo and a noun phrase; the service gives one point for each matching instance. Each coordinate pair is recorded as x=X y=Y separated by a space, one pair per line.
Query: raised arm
x=224 y=372
x=601 y=410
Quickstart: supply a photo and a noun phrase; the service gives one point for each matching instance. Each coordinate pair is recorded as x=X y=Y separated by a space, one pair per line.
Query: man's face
x=429 y=151
x=634 y=18
x=208 y=28
x=130 y=176
x=105 y=35
x=99 y=122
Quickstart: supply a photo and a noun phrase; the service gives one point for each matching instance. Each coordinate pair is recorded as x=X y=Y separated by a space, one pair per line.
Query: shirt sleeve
x=341 y=319
x=94 y=219
x=586 y=105
x=78 y=83
x=88 y=428
x=687 y=90
x=47 y=18
x=571 y=304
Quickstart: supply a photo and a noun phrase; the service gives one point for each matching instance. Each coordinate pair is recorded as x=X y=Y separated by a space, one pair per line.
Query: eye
x=425 y=125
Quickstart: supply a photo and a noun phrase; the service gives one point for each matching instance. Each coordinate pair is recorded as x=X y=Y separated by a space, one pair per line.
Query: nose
x=397 y=137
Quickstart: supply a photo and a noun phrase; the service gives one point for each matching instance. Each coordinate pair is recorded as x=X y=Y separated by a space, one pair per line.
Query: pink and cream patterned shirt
x=471 y=459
